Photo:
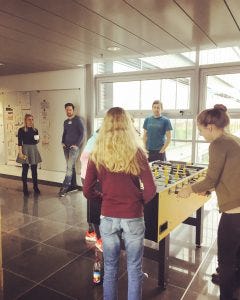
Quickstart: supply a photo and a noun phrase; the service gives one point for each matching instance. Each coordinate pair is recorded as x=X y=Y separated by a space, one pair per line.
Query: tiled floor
x=16 y=170
x=45 y=255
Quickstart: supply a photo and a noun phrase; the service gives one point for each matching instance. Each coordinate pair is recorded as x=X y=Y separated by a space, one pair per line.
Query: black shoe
x=26 y=193
x=36 y=191
x=216 y=278
x=63 y=191
x=72 y=188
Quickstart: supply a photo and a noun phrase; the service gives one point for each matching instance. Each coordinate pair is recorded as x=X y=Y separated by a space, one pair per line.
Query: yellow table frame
x=165 y=212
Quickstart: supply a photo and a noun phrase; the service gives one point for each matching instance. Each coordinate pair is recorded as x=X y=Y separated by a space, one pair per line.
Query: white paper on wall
x=16 y=105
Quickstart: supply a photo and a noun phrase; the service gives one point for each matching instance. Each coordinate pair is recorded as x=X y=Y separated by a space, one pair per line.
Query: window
x=180 y=151
x=223 y=89
x=136 y=95
x=150 y=90
x=219 y=55
x=177 y=89
x=126 y=94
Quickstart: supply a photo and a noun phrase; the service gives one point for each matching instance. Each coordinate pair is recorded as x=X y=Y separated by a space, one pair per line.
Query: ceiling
x=47 y=35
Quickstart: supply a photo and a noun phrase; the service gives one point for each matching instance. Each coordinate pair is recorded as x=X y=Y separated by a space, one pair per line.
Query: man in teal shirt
x=157 y=133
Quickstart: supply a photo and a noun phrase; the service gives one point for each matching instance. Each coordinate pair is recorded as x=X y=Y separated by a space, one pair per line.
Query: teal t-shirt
x=156 y=130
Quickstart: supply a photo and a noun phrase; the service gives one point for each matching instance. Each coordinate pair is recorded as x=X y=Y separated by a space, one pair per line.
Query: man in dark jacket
x=73 y=132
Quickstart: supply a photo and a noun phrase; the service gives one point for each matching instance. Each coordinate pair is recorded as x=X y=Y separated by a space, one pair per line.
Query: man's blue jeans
x=71 y=155
x=132 y=231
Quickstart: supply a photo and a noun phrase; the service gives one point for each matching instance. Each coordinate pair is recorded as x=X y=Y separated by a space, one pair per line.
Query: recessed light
x=1 y=64
x=80 y=65
x=113 y=48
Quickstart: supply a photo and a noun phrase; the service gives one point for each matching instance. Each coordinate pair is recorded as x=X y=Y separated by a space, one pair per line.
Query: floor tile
x=45 y=255
x=39 y=262
x=195 y=296
x=150 y=290
x=13 y=245
x=75 y=280
x=16 y=220
x=40 y=230
x=39 y=207
x=69 y=215
x=202 y=279
x=13 y=285
x=43 y=293
x=72 y=240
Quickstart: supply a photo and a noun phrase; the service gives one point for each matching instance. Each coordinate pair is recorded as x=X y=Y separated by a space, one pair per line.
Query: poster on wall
x=45 y=122
x=16 y=105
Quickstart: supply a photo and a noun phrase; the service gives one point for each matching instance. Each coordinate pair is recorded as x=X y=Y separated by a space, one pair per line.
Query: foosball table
x=166 y=211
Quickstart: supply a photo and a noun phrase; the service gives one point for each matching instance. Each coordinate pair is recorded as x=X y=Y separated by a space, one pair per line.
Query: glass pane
x=119 y=67
x=211 y=56
x=182 y=129
x=146 y=63
x=202 y=153
x=126 y=94
x=181 y=151
x=105 y=96
x=97 y=123
x=150 y=91
x=171 y=60
x=219 y=55
x=139 y=95
x=168 y=93
x=123 y=94
x=183 y=93
x=235 y=127
x=199 y=137
x=223 y=89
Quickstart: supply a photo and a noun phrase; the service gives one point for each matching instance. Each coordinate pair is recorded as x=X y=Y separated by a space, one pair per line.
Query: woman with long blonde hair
x=28 y=153
x=119 y=163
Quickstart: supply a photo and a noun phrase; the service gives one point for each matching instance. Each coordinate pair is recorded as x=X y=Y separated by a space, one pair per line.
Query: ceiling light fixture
x=1 y=64
x=113 y=48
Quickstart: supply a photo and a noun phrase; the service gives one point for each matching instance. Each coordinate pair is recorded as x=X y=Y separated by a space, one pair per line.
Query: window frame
x=198 y=92
x=204 y=72
x=147 y=75
x=211 y=71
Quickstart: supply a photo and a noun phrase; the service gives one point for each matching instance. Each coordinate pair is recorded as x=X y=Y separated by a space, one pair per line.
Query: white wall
x=55 y=80
x=49 y=122
x=65 y=79
x=55 y=86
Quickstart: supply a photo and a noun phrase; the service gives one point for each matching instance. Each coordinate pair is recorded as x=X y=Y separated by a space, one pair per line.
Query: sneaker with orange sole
x=91 y=236
x=99 y=245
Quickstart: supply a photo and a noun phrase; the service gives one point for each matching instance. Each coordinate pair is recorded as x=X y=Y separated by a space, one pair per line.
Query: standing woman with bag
x=28 y=153
x=120 y=165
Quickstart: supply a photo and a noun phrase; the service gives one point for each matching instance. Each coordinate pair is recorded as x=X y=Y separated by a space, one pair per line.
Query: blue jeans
x=71 y=155
x=132 y=232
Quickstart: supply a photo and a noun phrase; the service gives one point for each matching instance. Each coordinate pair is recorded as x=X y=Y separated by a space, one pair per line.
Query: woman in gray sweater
x=223 y=175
